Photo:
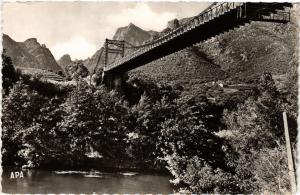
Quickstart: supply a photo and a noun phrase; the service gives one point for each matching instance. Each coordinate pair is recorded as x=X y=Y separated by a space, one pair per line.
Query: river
x=41 y=181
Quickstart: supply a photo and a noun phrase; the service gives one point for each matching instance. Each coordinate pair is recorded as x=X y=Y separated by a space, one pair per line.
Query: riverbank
x=88 y=182
x=106 y=165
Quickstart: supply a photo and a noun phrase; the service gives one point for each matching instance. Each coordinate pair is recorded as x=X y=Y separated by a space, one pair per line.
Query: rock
x=30 y=54
x=65 y=60
x=173 y=24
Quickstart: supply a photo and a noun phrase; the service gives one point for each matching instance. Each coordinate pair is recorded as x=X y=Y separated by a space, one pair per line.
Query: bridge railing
x=207 y=15
x=283 y=16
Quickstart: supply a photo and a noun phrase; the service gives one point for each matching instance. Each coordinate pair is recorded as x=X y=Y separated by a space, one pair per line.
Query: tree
x=9 y=75
x=21 y=109
x=255 y=132
x=190 y=149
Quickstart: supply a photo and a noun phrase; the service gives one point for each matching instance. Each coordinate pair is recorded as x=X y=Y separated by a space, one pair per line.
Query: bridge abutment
x=113 y=81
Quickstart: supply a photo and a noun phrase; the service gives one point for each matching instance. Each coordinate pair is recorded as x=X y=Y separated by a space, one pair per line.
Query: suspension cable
x=132 y=46
x=147 y=44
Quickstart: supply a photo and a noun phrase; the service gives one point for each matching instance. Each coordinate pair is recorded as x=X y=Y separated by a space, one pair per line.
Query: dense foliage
x=207 y=147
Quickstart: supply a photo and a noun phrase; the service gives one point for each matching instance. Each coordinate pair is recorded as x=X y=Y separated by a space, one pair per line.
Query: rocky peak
x=32 y=42
x=131 y=25
x=5 y=37
x=132 y=34
x=30 y=54
x=65 y=60
x=173 y=24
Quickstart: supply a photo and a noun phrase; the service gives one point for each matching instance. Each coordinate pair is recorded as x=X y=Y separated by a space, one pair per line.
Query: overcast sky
x=79 y=28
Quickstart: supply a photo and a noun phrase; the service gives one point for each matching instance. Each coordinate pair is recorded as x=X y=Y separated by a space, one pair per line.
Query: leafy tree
x=94 y=120
x=146 y=126
x=9 y=75
x=21 y=108
x=189 y=149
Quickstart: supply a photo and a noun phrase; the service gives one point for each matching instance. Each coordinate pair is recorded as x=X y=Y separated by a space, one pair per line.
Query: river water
x=40 y=181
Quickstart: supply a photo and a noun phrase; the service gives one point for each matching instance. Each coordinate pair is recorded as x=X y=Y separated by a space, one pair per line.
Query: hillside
x=239 y=54
x=253 y=49
x=188 y=68
x=30 y=54
x=91 y=62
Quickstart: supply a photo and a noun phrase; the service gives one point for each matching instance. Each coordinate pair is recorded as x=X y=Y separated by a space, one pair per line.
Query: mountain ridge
x=30 y=54
x=243 y=52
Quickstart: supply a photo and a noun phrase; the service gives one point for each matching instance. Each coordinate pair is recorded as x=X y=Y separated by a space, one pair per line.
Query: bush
x=190 y=149
x=271 y=171
x=146 y=126
x=256 y=128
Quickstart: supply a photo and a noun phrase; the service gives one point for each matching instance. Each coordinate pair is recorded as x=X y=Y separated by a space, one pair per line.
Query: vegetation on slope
x=207 y=147
x=238 y=55
x=254 y=48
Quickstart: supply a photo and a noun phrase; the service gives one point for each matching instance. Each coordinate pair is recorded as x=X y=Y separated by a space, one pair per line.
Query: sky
x=80 y=28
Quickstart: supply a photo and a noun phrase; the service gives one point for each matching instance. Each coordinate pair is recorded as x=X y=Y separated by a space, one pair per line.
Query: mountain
x=30 y=54
x=253 y=49
x=19 y=56
x=91 y=62
x=133 y=34
x=64 y=63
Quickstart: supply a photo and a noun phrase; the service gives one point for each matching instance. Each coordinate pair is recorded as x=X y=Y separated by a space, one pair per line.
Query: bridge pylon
x=113 y=47
x=110 y=80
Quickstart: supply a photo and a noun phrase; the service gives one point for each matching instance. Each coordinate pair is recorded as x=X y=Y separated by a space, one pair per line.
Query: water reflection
x=37 y=181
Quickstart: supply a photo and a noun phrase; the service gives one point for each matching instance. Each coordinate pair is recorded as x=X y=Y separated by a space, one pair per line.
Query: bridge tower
x=113 y=80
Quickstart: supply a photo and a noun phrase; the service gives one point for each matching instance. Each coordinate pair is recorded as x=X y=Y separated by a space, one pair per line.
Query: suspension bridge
x=217 y=19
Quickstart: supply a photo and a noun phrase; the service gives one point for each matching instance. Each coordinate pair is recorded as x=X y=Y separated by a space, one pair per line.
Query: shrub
x=271 y=171
x=190 y=149
x=256 y=128
x=21 y=109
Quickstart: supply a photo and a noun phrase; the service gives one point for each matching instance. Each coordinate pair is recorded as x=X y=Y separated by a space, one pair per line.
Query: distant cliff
x=64 y=61
x=30 y=54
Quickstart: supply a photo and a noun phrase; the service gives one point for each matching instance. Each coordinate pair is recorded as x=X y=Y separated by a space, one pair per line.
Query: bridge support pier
x=113 y=81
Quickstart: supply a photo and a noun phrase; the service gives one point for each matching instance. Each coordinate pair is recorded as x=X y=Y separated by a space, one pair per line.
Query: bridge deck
x=219 y=19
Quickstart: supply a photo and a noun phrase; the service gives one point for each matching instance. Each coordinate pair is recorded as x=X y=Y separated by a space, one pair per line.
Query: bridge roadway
x=218 y=19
